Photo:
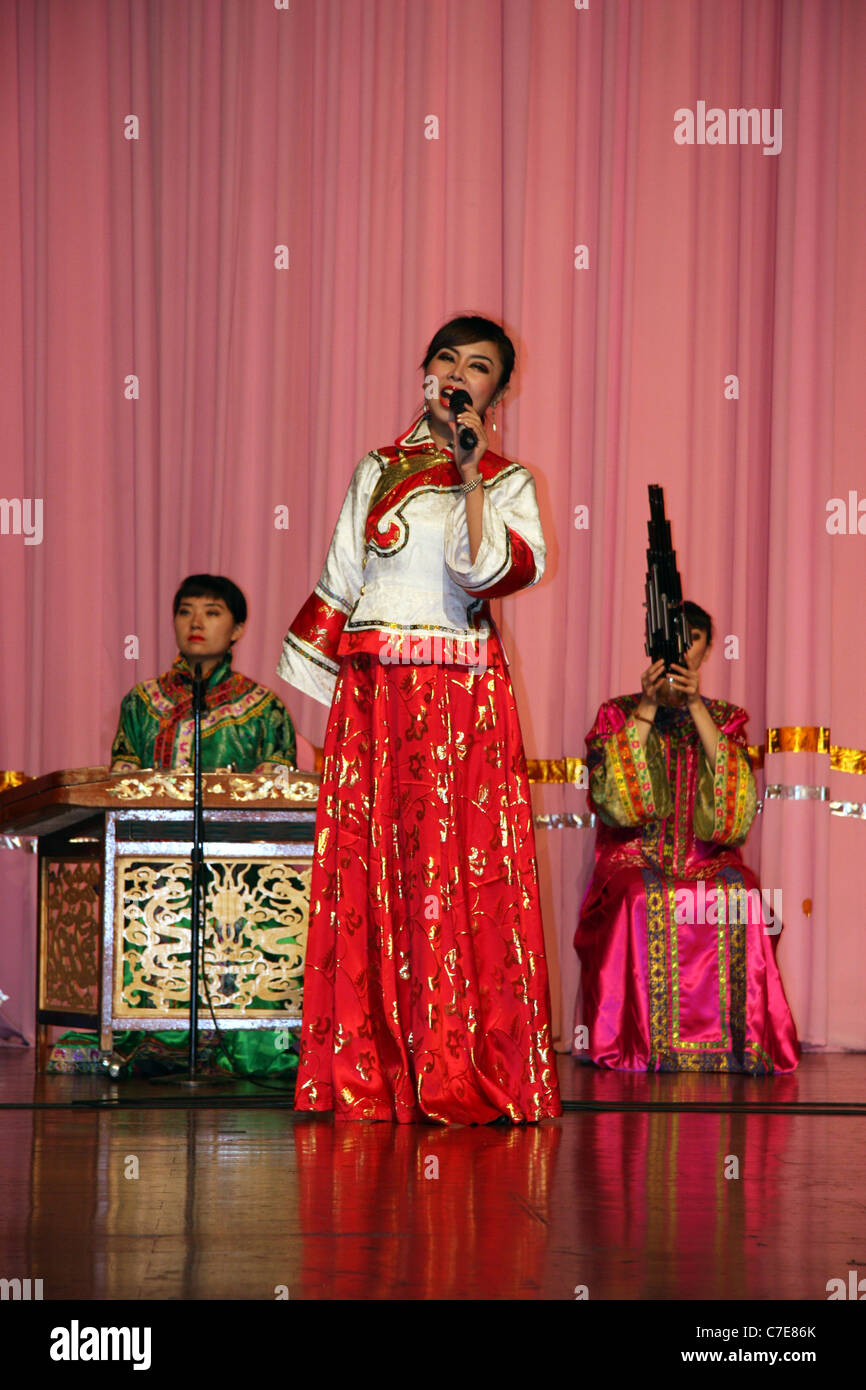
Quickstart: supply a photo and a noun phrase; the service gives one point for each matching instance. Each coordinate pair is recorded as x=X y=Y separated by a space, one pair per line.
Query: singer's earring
x=493 y=418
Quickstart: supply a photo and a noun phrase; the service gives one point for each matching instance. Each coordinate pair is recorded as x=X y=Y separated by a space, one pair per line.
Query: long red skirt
x=425 y=985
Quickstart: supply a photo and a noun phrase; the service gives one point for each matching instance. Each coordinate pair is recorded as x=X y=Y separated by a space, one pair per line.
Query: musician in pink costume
x=676 y=942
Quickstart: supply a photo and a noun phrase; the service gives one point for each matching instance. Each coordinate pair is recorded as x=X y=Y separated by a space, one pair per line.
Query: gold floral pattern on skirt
x=425 y=988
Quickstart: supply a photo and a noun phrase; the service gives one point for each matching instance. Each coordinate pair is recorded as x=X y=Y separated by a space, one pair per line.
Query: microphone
x=198 y=684
x=461 y=400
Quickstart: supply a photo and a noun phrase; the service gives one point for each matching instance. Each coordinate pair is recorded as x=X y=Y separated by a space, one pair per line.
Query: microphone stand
x=190 y=1076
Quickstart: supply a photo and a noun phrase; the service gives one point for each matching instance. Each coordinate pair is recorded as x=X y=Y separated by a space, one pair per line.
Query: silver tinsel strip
x=856 y=810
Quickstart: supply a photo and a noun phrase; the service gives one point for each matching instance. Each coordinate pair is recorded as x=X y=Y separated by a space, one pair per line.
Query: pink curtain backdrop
x=418 y=160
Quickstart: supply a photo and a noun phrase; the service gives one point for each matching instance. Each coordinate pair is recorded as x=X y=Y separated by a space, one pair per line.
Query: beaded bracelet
x=467 y=487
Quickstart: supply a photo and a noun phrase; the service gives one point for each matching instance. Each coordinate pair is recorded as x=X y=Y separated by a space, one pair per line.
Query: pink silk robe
x=676 y=944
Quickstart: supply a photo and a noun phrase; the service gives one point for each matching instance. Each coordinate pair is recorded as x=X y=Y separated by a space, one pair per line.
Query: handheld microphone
x=461 y=400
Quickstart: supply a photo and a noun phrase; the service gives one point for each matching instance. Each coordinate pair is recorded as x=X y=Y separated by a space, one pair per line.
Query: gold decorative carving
x=179 y=787
x=69 y=963
x=254 y=940
x=244 y=789
x=13 y=779
x=149 y=784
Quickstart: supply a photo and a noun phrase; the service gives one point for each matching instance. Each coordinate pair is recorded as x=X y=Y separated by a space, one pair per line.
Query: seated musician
x=676 y=942
x=245 y=726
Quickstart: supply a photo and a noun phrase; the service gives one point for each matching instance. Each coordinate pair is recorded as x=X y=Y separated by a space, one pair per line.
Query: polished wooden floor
x=151 y=1196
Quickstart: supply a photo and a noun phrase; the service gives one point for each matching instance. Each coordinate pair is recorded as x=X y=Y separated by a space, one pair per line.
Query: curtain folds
x=229 y=232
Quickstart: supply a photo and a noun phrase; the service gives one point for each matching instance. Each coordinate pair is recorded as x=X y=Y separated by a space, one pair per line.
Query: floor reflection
x=681 y=1203
x=424 y=1212
x=626 y=1204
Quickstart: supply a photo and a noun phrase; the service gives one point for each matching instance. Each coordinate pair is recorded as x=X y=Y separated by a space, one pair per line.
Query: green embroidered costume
x=243 y=724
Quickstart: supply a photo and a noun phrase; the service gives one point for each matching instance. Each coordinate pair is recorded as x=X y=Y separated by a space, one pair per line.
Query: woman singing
x=425 y=987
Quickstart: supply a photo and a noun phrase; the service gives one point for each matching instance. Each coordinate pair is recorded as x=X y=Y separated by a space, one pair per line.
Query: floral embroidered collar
x=181 y=671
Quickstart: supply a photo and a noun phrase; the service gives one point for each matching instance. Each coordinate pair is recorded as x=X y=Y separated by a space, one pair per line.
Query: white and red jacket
x=398 y=581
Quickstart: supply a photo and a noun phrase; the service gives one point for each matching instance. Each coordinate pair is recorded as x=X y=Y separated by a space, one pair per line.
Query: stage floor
x=711 y=1195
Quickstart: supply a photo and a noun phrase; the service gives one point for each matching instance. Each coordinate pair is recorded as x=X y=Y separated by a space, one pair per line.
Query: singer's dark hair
x=213 y=586
x=471 y=328
x=698 y=618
